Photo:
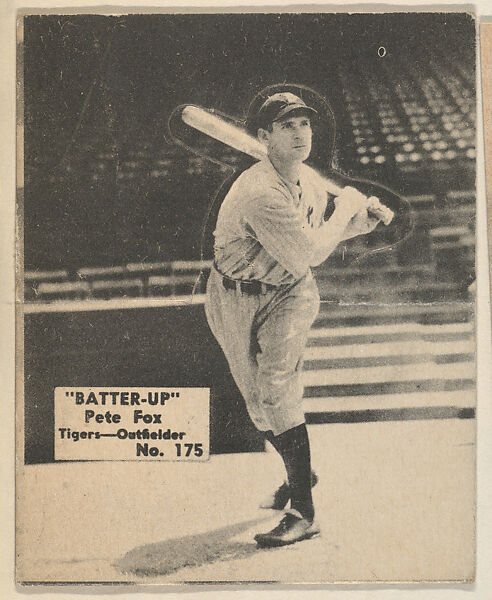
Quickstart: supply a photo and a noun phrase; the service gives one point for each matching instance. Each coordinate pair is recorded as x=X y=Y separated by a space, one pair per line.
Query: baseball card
x=246 y=297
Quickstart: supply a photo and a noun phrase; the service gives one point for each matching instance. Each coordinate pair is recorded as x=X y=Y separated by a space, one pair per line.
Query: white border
x=483 y=586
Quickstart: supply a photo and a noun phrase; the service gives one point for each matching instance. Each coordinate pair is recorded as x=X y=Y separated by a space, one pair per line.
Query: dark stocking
x=293 y=447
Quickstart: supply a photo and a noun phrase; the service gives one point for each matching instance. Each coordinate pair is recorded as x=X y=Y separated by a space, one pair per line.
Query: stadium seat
x=116 y=288
x=63 y=290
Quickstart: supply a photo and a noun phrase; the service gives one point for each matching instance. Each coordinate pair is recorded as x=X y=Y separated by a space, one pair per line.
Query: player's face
x=290 y=139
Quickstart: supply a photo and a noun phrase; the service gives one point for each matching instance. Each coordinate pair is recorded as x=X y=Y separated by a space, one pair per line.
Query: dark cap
x=278 y=106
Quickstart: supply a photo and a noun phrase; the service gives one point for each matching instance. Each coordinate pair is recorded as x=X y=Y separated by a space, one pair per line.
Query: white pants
x=263 y=338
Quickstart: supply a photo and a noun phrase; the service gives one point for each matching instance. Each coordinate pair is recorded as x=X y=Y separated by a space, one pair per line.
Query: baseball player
x=261 y=295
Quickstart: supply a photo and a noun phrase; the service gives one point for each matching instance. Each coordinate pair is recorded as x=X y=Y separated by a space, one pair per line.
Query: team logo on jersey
x=309 y=214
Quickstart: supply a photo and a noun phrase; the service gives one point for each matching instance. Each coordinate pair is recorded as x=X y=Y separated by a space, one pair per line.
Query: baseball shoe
x=291 y=529
x=278 y=500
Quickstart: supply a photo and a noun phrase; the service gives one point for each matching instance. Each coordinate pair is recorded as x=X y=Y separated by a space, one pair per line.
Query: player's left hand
x=360 y=224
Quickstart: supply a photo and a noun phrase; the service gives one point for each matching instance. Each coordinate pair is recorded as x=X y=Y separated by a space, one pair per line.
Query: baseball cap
x=278 y=106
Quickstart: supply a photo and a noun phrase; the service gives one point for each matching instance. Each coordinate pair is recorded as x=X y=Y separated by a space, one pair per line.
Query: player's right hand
x=350 y=202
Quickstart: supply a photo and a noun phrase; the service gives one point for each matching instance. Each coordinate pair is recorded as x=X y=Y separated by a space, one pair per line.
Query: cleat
x=291 y=529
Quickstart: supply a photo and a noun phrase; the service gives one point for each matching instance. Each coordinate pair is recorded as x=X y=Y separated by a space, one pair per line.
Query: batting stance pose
x=261 y=295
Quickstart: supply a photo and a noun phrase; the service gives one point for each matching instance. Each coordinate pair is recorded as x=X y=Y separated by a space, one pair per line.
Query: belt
x=250 y=288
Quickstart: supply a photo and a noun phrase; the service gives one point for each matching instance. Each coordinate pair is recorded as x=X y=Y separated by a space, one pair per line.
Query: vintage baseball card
x=246 y=297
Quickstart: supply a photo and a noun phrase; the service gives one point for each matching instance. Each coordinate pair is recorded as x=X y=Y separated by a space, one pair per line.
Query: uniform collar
x=294 y=188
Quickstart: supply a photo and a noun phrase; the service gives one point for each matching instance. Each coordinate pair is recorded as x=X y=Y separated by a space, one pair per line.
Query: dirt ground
x=395 y=502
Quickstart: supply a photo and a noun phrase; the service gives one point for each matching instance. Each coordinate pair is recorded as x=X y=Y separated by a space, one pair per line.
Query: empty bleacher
x=396 y=120
x=415 y=121
x=435 y=263
x=130 y=280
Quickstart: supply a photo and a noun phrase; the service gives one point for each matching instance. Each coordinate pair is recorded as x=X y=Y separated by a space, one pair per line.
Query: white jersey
x=265 y=224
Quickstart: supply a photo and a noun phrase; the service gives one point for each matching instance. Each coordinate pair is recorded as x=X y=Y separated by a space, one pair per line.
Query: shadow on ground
x=171 y=555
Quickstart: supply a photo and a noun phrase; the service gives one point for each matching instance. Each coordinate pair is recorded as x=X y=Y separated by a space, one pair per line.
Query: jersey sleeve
x=278 y=227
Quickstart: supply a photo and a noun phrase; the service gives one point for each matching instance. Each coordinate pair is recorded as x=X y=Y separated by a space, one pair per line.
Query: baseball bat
x=231 y=135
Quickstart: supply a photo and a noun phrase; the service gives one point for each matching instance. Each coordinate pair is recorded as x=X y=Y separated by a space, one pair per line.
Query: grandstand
x=411 y=129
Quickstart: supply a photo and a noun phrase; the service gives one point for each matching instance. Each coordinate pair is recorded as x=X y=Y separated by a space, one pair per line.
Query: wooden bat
x=236 y=137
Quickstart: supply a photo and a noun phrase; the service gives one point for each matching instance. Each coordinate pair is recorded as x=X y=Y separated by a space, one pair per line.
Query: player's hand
x=350 y=202
x=360 y=224
x=379 y=211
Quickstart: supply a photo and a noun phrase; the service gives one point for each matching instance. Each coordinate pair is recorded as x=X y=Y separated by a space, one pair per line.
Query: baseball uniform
x=263 y=235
